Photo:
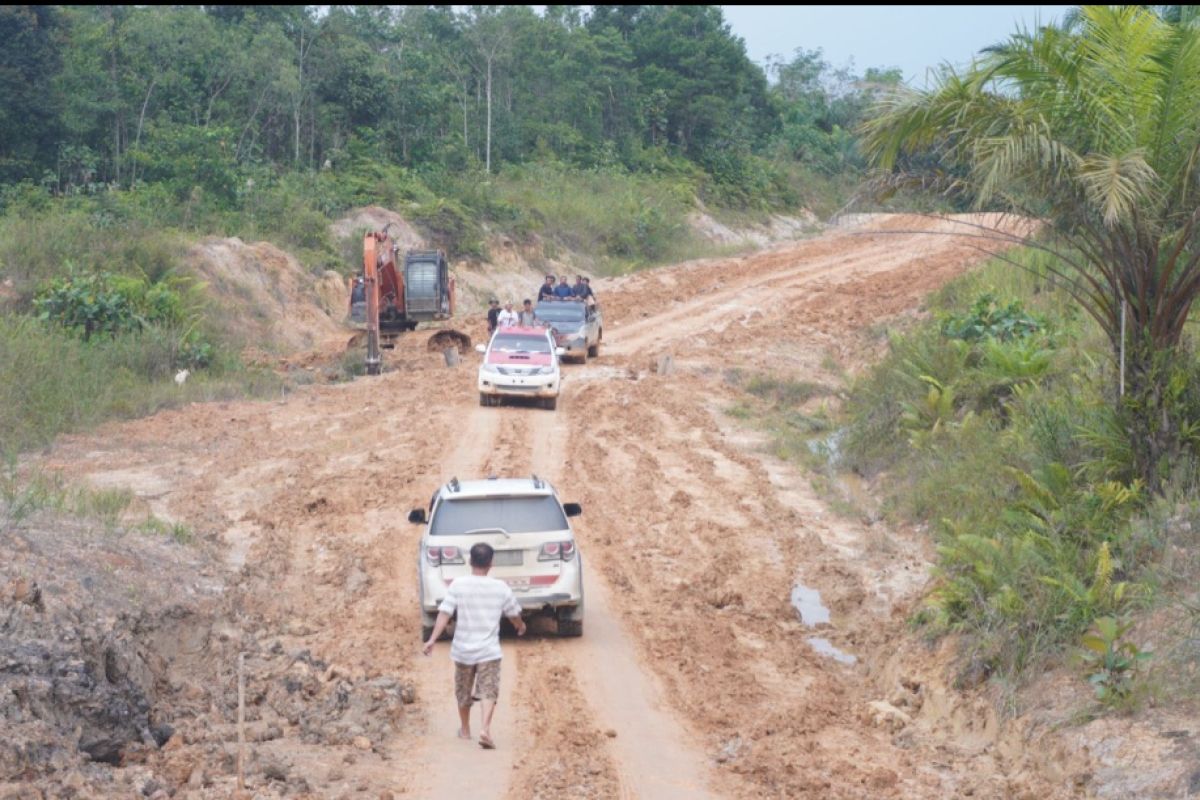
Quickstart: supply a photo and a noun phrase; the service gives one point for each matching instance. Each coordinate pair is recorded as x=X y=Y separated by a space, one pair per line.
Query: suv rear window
x=536 y=514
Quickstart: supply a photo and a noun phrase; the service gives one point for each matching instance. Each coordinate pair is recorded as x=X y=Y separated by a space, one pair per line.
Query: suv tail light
x=444 y=555
x=553 y=551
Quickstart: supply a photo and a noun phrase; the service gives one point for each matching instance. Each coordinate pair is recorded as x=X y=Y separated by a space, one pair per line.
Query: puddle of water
x=823 y=647
x=807 y=603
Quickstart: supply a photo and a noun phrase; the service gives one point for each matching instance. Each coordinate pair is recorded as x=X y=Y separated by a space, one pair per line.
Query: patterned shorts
x=483 y=678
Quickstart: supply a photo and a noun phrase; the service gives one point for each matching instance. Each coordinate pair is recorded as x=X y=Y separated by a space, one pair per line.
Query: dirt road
x=694 y=677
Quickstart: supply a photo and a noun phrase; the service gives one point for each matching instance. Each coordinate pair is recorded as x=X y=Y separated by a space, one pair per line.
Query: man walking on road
x=480 y=602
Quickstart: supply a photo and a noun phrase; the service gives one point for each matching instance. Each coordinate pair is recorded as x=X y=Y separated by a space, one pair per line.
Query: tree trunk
x=488 y=160
x=116 y=94
x=137 y=139
x=1151 y=412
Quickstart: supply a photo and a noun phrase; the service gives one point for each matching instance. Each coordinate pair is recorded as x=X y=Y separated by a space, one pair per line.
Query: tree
x=29 y=108
x=490 y=32
x=1093 y=128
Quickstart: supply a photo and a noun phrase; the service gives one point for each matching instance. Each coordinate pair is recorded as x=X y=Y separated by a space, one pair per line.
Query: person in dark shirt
x=583 y=290
x=525 y=317
x=580 y=289
x=563 y=290
x=493 y=313
x=546 y=290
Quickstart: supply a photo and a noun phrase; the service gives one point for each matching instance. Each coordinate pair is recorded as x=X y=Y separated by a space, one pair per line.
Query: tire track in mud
x=650 y=750
x=730 y=301
x=489 y=443
x=703 y=541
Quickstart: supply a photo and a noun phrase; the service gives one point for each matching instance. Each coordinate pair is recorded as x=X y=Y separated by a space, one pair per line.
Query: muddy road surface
x=695 y=676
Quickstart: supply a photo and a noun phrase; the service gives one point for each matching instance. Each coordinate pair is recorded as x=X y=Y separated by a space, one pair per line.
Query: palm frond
x=1114 y=185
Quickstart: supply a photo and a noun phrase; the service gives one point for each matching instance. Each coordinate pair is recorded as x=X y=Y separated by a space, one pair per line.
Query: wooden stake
x=241 y=756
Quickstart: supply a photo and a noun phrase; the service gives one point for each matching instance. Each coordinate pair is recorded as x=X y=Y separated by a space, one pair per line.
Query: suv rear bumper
x=565 y=593
x=531 y=603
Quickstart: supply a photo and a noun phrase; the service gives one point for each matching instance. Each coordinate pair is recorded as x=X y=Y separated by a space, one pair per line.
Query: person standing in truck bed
x=563 y=290
x=546 y=290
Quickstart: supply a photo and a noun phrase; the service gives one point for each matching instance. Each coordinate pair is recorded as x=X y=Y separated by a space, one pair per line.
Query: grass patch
x=52 y=382
x=25 y=494
x=175 y=530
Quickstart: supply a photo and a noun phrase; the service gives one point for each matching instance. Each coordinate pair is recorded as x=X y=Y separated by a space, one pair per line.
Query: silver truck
x=578 y=327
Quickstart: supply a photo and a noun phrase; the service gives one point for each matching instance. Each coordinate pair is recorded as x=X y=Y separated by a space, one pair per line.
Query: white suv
x=520 y=362
x=524 y=522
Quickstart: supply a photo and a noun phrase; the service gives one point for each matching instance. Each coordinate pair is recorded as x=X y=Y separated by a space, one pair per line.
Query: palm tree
x=1094 y=128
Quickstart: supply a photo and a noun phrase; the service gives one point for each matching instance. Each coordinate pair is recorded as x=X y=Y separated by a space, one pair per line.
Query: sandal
x=486 y=742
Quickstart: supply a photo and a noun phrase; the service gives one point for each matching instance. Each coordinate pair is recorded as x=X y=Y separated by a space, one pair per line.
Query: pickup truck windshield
x=514 y=343
x=537 y=514
x=559 y=312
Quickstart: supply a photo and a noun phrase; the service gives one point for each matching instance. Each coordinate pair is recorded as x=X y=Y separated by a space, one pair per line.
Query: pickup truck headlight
x=489 y=368
x=545 y=371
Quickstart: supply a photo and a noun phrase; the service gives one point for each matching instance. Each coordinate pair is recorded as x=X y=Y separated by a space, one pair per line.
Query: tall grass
x=52 y=383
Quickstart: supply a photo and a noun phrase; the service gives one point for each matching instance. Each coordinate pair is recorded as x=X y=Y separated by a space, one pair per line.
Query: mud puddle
x=808 y=605
x=813 y=613
x=826 y=648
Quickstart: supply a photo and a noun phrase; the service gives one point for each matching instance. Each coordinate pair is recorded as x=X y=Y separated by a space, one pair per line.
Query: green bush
x=622 y=218
x=100 y=303
x=988 y=320
x=990 y=421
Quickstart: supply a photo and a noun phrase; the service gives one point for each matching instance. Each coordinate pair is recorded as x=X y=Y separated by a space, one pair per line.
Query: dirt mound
x=374 y=218
x=777 y=228
x=514 y=271
x=118 y=656
x=267 y=298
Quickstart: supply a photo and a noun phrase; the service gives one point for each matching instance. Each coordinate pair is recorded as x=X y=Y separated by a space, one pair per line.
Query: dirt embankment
x=267 y=298
x=695 y=676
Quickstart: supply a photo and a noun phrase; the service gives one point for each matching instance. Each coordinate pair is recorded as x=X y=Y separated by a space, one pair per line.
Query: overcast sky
x=913 y=38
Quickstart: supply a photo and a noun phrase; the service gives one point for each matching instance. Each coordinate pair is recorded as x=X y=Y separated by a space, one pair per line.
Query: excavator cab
x=428 y=289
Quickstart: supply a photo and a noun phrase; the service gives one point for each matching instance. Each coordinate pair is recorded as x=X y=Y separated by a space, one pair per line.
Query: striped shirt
x=480 y=602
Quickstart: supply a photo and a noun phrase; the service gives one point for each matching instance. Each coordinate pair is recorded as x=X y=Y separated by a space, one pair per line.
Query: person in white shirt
x=507 y=317
x=480 y=601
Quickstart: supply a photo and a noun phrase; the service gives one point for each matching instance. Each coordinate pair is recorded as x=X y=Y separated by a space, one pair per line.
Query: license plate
x=508 y=558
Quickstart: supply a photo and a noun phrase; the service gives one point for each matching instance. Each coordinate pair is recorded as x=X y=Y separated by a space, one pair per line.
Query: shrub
x=1112 y=661
x=990 y=422
x=989 y=320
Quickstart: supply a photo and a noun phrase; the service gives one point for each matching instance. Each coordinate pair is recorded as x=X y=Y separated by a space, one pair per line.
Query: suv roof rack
x=537 y=482
x=454 y=485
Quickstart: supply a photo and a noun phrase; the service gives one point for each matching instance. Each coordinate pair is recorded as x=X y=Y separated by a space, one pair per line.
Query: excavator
x=388 y=299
